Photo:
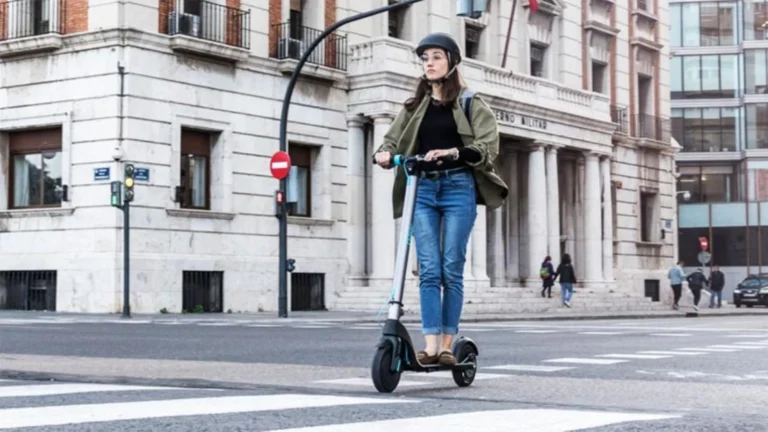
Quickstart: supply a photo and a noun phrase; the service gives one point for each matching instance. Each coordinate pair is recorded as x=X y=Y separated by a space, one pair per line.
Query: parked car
x=753 y=290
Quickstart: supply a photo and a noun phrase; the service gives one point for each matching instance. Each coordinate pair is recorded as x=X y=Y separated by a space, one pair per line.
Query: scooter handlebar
x=400 y=160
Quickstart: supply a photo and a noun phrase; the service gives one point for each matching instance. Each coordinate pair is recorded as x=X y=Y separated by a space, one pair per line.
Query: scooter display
x=395 y=352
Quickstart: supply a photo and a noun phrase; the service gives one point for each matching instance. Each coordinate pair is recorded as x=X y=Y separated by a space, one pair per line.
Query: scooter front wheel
x=384 y=378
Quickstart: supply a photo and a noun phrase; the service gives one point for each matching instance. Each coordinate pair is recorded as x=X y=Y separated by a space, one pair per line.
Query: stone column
x=512 y=217
x=553 y=205
x=495 y=246
x=537 y=213
x=605 y=168
x=579 y=250
x=479 y=247
x=592 y=260
x=356 y=196
x=382 y=221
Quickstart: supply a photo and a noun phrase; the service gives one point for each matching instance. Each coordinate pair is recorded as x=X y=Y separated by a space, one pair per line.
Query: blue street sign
x=141 y=174
x=101 y=173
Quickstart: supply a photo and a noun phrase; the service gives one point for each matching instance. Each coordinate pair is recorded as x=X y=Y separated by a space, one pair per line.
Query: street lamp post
x=470 y=8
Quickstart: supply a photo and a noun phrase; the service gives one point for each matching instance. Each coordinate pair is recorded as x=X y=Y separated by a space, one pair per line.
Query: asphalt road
x=235 y=375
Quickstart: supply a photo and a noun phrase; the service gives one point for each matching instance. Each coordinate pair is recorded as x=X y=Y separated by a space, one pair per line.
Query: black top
x=438 y=130
x=566 y=273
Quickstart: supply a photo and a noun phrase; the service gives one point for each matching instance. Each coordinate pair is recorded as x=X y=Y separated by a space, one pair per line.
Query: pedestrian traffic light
x=117 y=192
x=128 y=182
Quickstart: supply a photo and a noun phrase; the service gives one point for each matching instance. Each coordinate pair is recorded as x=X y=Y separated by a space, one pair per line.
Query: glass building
x=719 y=92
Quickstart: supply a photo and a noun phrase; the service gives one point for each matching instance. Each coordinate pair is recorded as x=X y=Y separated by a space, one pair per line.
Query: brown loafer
x=446 y=358
x=424 y=358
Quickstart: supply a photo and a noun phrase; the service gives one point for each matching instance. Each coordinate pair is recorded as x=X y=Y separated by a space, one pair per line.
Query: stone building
x=190 y=92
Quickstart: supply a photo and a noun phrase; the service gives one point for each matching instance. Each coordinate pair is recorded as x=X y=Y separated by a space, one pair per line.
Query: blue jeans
x=445 y=210
x=566 y=291
x=716 y=295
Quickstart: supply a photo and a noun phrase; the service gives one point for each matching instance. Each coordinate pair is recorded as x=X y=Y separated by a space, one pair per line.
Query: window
x=755 y=19
x=472 y=41
x=598 y=77
x=35 y=168
x=707 y=129
x=757 y=126
x=299 y=186
x=703 y=24
x=703 y=77
x=396 y=24
x=538 y=52
x=195 y=169
x=648 y=216
x=756 y=71
x=709 y=188
x=296 y=20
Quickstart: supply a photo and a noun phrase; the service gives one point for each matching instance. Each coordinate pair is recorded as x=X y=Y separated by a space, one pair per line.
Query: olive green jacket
x=482 y=135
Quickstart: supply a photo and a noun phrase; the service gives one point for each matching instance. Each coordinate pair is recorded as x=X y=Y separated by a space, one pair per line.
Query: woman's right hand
x=384 y=159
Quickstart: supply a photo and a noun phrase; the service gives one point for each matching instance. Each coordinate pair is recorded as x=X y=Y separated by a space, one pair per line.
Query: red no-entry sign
x=280 y=165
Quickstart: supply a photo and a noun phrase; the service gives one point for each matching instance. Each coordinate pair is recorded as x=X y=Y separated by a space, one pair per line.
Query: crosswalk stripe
x=517 y=420
x=674 y=353
x=595 y=361
x=530 y=368
x=61 y=389
x=746 y=336
x=367 y=382
x=671 y=334
x=600 y=333
x=708 y=349
x=752 y=343
x=89 y=413
x=536 y=331
x=480 y=376
x=752 y=347
x=635 y=356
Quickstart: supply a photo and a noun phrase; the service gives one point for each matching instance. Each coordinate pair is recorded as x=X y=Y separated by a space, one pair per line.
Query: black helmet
x=441 y=40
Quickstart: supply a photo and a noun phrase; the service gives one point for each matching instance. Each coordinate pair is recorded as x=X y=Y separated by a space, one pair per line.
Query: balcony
x=620 y=117
x=210 y=29
x=327 y=61
x=28 y=26
x=388 y=61
x=648 y=127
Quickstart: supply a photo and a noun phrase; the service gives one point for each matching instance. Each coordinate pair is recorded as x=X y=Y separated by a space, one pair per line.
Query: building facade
x=190 y=93
x=720 y=118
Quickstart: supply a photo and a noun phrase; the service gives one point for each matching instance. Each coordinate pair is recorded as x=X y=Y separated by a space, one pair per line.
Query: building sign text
x=523 y=120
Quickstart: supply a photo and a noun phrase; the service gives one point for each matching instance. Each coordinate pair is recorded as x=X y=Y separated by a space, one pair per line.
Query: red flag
x=534 y=5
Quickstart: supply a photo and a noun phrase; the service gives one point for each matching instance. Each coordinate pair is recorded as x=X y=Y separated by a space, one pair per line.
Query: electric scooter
x=395 y=352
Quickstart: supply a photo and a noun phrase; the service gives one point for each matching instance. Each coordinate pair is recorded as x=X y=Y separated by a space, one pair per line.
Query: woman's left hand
x=436 y=154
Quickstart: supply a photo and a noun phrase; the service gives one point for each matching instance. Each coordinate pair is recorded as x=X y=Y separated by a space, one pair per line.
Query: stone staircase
x=500 y=300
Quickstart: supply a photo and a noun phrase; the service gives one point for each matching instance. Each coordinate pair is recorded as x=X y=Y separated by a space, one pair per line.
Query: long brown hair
x=449 y=93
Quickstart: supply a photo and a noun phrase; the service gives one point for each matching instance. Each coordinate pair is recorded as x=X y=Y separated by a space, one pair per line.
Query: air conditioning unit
x=295 y=48
x=183 y=23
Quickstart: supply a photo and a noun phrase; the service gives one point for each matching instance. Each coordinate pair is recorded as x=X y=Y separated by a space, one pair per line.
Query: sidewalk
x=375 y=317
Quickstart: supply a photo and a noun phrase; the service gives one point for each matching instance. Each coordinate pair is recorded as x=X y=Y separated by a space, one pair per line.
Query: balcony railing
x=210 y=21
x=620 y=117
x=655 y=128
x=25 y=18
x=294 y=39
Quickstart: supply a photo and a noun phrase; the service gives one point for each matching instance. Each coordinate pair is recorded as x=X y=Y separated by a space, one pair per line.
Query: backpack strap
x=466 y=104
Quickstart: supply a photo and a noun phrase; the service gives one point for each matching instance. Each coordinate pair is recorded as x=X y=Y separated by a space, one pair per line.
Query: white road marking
x=635 y=356
x=601 y=333
x=91 y=413
x=262 y=325
x=683 y=353
x=671 y=334
x=707 y=349
x=594 y=361
x=746 y=336
x=218 y=324
x=448 y=374
x=537 y=331
x=752 y=347
x=60 y=389
x=530 y=368
x=310 y=327
x=367 y=382
x=519 y=420
x=752 y=343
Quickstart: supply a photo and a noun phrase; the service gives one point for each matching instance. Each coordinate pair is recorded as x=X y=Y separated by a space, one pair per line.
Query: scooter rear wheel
x=384 y=378
x=465 y=353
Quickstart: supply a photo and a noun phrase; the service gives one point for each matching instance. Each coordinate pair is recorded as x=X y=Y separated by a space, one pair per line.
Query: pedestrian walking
x=567 y=275
x=676 y=277
x=696 y=282
x=547 y=274
x=716 y=284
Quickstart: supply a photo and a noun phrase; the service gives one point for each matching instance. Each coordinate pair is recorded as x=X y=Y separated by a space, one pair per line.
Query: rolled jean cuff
x=450 y=330
x=431 y=330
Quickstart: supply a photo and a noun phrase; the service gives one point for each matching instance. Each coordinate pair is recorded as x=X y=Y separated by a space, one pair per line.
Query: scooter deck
x=438 y=367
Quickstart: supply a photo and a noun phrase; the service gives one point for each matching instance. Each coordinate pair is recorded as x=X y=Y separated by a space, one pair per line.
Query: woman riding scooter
x=432 y=123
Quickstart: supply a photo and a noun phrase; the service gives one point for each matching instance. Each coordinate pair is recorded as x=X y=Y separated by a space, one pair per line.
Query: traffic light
x=128 y=181
x=117 y=192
